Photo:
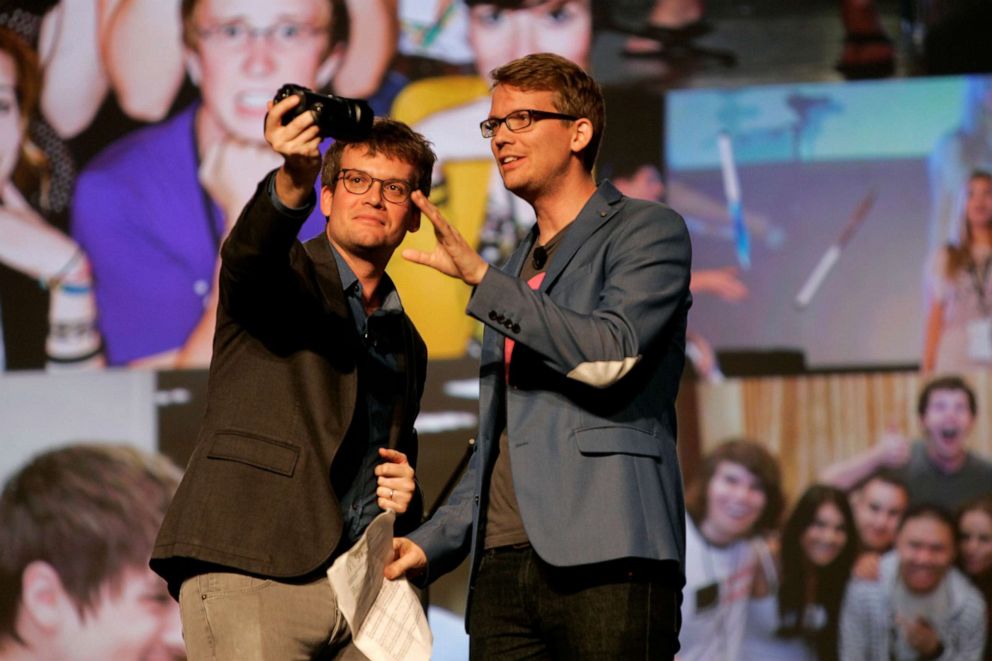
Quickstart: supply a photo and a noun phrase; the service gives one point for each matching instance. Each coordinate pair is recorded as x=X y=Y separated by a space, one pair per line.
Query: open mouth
x=949 y=433
x=252 y=103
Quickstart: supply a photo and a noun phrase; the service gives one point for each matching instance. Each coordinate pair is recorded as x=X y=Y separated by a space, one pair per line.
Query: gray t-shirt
x=504 y=526
x=928 y=484
x=907 y=606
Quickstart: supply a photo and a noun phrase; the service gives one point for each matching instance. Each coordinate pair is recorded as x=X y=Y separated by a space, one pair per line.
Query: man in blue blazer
x=572 y=504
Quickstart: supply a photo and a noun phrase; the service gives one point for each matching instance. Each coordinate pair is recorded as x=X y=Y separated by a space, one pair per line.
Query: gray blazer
x=590 y=413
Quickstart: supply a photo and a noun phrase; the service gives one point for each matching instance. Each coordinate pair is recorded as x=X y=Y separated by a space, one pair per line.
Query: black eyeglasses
x=518 y=120
x=358 y=182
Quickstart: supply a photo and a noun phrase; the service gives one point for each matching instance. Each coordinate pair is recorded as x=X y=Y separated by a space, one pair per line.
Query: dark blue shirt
x=381 y=382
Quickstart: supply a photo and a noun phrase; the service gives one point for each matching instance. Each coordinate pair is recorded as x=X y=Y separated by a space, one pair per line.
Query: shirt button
x=201 y=287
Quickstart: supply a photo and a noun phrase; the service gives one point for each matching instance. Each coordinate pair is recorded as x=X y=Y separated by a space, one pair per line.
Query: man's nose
x=259 y=59
x=374 y=194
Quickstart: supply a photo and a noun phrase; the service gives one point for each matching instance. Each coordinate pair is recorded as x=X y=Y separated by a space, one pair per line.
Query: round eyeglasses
x=235 y=35
x=518 y=120
x=358 y=182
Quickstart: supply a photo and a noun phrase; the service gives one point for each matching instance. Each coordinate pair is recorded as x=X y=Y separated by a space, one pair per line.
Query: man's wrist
x=481 y=274
x=293 y=189
x=288 y=198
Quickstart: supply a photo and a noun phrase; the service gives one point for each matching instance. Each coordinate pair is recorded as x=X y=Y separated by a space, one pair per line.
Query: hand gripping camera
x=337 y=117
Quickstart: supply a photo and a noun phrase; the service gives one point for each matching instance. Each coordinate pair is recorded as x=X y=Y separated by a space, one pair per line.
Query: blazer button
x=476 y=501
x=492 y=315
x=516 y=328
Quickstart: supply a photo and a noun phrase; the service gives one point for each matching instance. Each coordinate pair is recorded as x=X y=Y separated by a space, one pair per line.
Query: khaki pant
x=228 y=617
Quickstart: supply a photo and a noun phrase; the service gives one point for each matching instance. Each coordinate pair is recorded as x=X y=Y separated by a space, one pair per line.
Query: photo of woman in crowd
x=32 y=249
x=975 y=550
x=795 y=606
x=958 y=334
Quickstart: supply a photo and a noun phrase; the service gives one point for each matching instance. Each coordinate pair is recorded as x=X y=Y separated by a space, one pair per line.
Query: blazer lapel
x=328 y=278
x=600 y=208
x=407 y=367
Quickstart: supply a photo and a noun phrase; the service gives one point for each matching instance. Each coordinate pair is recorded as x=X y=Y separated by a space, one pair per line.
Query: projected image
x=828 y=210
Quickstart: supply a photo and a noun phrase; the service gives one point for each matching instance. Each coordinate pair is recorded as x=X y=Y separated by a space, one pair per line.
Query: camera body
x=336 y=116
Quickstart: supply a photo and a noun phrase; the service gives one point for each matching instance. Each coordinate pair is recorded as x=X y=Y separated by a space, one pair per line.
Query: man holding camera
x=314 y=386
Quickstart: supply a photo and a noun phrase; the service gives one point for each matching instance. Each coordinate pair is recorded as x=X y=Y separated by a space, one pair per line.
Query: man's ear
x=581 y=134
x=413 y=222
x=326 y=197
x=329 y=67
x=43 y=597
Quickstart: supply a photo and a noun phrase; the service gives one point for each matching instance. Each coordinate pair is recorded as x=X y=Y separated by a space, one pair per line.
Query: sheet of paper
x=385 y=617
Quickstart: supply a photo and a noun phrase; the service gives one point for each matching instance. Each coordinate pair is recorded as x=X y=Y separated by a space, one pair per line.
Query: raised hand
x=298 y=142
x=230 y=171
x=453 y=255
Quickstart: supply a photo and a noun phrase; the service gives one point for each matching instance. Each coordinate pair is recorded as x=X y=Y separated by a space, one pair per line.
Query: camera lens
x=336 y=117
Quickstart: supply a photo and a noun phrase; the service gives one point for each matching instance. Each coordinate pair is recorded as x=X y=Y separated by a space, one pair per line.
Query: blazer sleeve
x=446 y=536
x=645 y=271
x=258 y=252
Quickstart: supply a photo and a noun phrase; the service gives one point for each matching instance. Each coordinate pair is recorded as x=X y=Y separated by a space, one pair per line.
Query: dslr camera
x=336 y=116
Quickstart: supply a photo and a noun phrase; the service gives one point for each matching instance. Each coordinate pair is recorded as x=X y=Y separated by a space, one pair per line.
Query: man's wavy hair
x=91 y=511
x=575 y=92
x=949 y=382
x=392 y=139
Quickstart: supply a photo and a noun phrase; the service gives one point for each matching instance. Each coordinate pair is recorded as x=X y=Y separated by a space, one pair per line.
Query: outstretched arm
x=143 y=53
x=643 y=289
x=891 y=451
x=373 y=32
x=75 y=82
x=453 y=255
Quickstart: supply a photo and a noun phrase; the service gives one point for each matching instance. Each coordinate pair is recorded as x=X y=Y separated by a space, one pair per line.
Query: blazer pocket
x=266 y=453
x=618 y=440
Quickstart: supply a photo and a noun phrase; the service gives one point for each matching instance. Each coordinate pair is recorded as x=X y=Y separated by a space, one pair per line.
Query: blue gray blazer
x=590 y=406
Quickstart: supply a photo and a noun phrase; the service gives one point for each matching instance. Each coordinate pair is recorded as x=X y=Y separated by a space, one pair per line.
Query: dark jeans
x=523 y=608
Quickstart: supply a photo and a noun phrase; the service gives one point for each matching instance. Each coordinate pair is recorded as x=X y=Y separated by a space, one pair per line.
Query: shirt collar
x=352 y=287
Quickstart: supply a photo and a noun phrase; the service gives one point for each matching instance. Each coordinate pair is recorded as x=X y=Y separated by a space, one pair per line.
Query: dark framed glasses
x=518 y=120
x=359 y=182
